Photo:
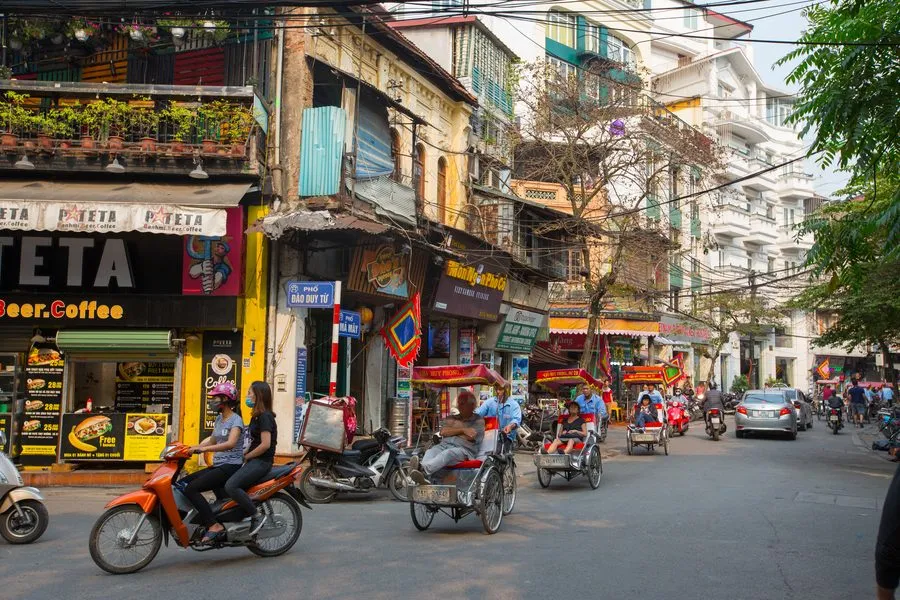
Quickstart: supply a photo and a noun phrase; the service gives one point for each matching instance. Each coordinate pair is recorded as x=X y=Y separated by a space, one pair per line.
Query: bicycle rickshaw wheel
x=491 y=501
x=544 y=477
x=629 y=445
x=595 y=468
x=422 y=515
x=509 y=488
x=665 y=445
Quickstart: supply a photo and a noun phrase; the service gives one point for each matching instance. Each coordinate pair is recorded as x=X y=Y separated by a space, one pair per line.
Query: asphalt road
x=751 y=518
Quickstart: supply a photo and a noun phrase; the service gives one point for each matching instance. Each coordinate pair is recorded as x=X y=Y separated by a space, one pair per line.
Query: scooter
x=23 y=516
x=370 y=464
x=676 y=415
x=128 y=535
x=715 y=424
x=834 y=420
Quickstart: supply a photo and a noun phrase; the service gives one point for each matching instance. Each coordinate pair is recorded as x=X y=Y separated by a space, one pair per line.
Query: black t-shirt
x=573 y=427
x=887 y=551
x=259 y=423
x=857 y=395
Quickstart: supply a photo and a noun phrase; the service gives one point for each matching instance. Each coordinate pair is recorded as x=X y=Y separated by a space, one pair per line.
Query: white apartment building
x=747 y=227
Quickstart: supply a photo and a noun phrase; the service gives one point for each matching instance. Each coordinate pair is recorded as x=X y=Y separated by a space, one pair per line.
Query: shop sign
x=221 y=363
x=350 y=324
x=139 y=384
x=114 y=436
x=471 y=290
x=299 y=391
x=683 y=331
x=567 y=341
x=519 y=380
x=466 y=346
x=404 y=381
x=310 y=294
x=383 y=270
x=213 y=266
x=43 y=403
x=519 y=331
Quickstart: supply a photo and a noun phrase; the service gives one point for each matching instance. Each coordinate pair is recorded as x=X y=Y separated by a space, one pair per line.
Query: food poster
x=519 y=381
x=221 y=363
x=6 y=428
x=141 y=383
x=145 y=436
x=404 y=382
x=466 y=346
x=89 y=436
x=43 y=401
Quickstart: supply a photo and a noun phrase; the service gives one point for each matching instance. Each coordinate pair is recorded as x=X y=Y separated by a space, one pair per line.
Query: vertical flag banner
x=604 y=361
x=824 y=369
x=403 y=333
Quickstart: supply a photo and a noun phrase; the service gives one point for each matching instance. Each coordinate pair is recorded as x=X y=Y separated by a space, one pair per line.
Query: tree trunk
x=586 y=362
x=886 y=360
x=712 y=366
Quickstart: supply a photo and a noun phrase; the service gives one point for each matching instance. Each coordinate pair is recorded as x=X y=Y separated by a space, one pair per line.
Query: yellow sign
x=145 y=436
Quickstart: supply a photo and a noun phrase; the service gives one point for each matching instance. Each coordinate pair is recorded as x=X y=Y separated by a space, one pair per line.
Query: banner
x=138 y=437
x=221 y=363
x=403 y=333
x=213 y=265
x=824 y=369
x=43 y=402
x=604 y=360
x=519 y=330
x=141 y=383
x=86 y=217
x=519 y=379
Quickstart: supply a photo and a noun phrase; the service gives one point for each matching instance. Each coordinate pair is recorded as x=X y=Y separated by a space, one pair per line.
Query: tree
x=611 y=151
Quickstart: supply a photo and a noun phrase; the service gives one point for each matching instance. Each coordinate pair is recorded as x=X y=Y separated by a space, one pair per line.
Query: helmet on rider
x=712 y=385
x=677 y=391
x=223 y=394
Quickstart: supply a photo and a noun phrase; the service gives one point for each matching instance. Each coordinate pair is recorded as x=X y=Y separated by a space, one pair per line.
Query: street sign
x=350 y=324
x=310 y=294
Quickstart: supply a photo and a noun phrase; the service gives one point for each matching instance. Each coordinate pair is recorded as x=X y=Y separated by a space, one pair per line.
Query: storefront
x=689 y=339
x=116 y=319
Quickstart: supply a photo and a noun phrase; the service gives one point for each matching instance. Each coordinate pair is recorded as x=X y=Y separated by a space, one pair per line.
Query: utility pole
x=754 y=372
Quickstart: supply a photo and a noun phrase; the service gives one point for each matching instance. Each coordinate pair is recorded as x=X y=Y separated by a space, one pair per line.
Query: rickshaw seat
x=653 y=424
x=577 y=446
x=487 y=447
x=475 y=463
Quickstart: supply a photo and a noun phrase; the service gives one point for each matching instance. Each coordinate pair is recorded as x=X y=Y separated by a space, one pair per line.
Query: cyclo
x=485 y=485
x=587 y=461
x=654 y=433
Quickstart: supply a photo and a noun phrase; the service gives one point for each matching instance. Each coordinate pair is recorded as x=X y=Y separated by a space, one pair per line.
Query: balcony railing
x=134 y=128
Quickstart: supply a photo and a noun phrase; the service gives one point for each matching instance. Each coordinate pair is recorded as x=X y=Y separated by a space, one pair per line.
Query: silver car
x=801 y=407
x=767 y=411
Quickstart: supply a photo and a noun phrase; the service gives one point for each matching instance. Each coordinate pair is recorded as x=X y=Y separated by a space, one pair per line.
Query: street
x=752 y=518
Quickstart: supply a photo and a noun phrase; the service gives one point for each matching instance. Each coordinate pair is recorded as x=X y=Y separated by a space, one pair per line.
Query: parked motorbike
x=715 y=424
x=694 y=409
x=540 y=420
x=677 y=416
x=368 y=465
x=730 y=400
x=527 y=439
x=127 y=537
x=834 y=420
x=23 y=516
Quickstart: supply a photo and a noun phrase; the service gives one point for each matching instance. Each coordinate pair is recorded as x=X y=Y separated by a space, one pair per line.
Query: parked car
x=801 y=406
x=766 y=410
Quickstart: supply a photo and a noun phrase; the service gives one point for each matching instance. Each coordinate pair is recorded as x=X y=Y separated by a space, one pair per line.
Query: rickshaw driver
x=590 y=403
x=460 y=439
x=507 y=411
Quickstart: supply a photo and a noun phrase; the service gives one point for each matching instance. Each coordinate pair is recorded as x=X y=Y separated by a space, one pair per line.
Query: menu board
x=43 y=400
x=89 y=436
x=141 y=383
x=113 y=436
x=6 y=428
x=221 y=363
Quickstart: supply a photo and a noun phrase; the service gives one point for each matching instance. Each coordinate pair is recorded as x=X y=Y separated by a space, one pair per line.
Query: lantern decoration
x=366 y=315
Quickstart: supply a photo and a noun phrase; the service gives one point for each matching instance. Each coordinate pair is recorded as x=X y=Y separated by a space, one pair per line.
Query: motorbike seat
x=352 y=455
x=363 y=445
x=279 y=471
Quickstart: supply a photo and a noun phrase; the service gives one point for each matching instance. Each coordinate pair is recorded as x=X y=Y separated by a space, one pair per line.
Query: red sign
x=457 y=375
x=567 y=341
x=213 y=266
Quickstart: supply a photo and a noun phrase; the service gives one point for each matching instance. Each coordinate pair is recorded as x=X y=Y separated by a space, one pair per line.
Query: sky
x=787 y=26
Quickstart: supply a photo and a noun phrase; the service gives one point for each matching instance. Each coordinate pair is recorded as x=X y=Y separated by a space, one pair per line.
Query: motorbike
x=730 y=400
x=677 y=416
x=368 y=465
x=129 y=534
x=694 y=409
x=834 y=420
x=527 y=439
x=715 y=424
x=23 y=516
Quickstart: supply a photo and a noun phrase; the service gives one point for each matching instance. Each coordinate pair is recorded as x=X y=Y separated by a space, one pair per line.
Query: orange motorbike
x=129 y=534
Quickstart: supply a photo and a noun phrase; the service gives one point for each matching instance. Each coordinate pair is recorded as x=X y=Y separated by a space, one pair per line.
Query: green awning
x=123 y=340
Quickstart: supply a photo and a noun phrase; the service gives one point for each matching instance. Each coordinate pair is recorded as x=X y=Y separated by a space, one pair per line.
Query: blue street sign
x=350 y=324
x=310 y=294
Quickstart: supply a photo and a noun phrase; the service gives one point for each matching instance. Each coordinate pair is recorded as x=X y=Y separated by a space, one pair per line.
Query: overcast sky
x=787 y=26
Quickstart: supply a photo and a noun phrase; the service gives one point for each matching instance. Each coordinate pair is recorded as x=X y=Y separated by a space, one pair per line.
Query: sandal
x=211 y=536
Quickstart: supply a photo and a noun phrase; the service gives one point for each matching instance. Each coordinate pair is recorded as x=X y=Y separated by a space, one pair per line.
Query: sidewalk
x=863 y=439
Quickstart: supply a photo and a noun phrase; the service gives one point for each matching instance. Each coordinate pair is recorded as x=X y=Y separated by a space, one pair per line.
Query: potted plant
x=236 y=128
x=5 y=72
x=67 y=120
x=14 y=117
x=182 y=120
x=145 y=119
x=104 y=120
x=50 y=125
x=217 y=30
x=28 y=30
x=82 y=29
x=177 y=26
x=139 y=32
x=213 y=115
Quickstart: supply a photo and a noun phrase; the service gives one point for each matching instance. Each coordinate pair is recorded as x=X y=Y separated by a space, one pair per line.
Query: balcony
x=792 y=186
x=730 y=221
x=762 y=229
x=173 y=130
x=561 y=291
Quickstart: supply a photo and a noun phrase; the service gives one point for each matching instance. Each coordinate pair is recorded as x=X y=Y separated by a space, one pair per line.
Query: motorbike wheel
x=834 y=428
x=490 y=501
x=422 y=515
x=109 y=540
x=282 y=508
x=397 y=484
x=544 y=477
x=314 y=494
x=17 y=530
x=595 y=468
x=509 y=488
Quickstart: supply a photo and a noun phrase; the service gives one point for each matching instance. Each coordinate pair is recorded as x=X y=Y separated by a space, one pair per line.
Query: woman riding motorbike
x=224 y=441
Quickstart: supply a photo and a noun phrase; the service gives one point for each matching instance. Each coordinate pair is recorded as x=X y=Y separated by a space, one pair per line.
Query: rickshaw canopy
x=556 y=378
x=457 y=376
x=635 y=374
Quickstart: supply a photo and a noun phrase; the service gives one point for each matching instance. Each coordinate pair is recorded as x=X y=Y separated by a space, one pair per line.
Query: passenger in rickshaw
x=645 y=412
x=460 y=438
x=652 y=393
x=590 y=403
x=573 y=429
x=508 y=413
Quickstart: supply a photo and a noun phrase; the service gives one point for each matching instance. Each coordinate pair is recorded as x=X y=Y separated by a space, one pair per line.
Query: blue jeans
x=643 y=418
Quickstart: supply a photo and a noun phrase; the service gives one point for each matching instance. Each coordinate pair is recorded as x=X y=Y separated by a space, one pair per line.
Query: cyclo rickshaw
x=586 y=460
x=485 y=485
x=655 y=433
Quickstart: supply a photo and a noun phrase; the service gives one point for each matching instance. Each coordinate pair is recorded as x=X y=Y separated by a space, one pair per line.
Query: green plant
x=145 y=119
x=67 y=120
x=51 y=125
x=237 y=124
x=182 y=119
x=105 y=117
x=212 y=116
x=5 y=72
x=171 y=22
x=28 y=29
x=218 y=30
x=774 y=382
x=14 y=116
x=86 y=28
x=740 y=384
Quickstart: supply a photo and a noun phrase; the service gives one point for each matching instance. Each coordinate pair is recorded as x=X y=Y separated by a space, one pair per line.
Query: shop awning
x=103 y=340
x=664 y=341
x=606 y=326
x=77 y=206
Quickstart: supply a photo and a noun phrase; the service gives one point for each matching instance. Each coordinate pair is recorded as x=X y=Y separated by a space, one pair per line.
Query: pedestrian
x=887 y=395
x=857 y=396
x=887 y=549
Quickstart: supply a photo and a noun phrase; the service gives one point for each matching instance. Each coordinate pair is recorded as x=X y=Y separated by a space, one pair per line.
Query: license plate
x=757 y=413
x=432 y=493
x=553 y=460
x=715 y=420
x=834 y=417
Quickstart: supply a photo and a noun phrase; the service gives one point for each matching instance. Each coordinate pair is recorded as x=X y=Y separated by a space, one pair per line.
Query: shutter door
x=200 y=67
x=151 y=69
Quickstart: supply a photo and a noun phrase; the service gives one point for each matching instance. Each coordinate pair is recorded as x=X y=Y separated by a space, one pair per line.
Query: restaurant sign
x=472 y=289
x=685 y=331
x=519 y=330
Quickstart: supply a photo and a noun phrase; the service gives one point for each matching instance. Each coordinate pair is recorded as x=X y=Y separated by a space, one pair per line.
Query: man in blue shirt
x=590 y=403
x=857 y=396
x=655 y=396
x=507 y=411
x=887 y=395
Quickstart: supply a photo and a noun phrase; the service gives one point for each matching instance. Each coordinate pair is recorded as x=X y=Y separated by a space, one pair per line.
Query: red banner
x=457 y=375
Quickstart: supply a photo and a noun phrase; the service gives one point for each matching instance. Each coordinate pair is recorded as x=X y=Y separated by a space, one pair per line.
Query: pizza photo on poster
x=221 y=363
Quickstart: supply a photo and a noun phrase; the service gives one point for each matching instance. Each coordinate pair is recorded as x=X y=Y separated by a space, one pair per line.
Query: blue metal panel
x=321 y=150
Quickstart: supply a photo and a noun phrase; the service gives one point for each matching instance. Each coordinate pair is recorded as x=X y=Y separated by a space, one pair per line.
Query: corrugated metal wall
x=200 y=67
x=151 y=68
x=321 y=150
x=111 y=65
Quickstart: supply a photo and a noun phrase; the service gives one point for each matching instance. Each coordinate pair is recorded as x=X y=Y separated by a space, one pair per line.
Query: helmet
x=226 y=389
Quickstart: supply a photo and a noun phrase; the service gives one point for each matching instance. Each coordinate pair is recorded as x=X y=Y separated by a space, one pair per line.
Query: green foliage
x=91 y=28
x=5 y=72
x=237 y=124
x=740 y=384
x=182 y=119
x=105 y=117
x=14 y=115
x=145 y=119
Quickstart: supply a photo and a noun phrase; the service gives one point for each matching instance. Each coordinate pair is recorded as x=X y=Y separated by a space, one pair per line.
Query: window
x=420 y=170
x=771 y=266
x=591 y=38
x=620 y=51
x=770 y=211
x=561 y=27
x=675 y=236
x=690 y=18
x=721 y=258
x=724 y=91
x=442 y=190
x=778 y=111
x=563 y=69
x=674 y=294
x=749 y=263
x=574 y=266
x=592 y=86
